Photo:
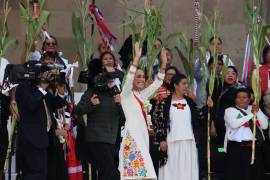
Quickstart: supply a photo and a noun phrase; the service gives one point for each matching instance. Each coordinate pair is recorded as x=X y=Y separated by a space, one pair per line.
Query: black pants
x=237 y=162
x=33 y=162
x=202 y=144
x=3 y=145
x=57 y=167
x=101 y=155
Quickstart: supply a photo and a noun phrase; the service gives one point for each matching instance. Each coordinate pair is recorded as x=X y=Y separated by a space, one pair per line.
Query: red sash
x=143 y=111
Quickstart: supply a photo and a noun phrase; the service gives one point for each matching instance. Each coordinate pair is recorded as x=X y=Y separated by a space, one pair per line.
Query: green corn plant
x=5 y=41
x=135 y=28
x=258 y=29
x=81 y=21
x=185 y=50
x=153 y=27
x=33 y=24
x=210 y=28
x=149 y=30
x=136 y=33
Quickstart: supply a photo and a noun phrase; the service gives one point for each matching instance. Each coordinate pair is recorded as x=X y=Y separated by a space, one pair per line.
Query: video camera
x=106 y=81
x=32 y=71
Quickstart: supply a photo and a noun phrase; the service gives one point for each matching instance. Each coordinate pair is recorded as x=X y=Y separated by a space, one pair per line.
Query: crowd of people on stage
x=131 y=126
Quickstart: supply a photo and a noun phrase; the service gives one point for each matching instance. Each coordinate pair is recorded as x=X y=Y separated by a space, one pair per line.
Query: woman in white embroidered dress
x=134 y=158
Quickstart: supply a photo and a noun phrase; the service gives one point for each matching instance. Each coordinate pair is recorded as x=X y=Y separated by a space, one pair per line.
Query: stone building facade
x=178 y=16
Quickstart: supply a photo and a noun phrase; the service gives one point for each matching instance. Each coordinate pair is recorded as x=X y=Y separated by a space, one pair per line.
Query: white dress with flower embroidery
x=134 y=158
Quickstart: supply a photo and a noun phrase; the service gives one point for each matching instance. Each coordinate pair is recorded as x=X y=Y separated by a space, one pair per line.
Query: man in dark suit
x=4 y=115
x=32 y=130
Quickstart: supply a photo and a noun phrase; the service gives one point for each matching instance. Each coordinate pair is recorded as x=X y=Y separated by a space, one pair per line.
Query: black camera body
x=32 y=71
x=105 y=82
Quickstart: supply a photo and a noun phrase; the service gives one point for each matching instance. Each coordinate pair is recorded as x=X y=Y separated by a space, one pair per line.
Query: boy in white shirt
x=238 y=138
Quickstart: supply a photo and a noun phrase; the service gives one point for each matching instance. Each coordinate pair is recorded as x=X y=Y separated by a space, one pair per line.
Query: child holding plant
x=239 y=136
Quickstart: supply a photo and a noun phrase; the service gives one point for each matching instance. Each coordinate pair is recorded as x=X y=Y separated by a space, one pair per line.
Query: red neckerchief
x=143 y=111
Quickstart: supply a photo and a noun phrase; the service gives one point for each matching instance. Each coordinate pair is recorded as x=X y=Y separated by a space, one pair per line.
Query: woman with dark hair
x=225 y=100
x=106 y=66
x=165 y=89
x=163 y=92
x=134 y=157
x=264 y=70
x=239 y=136
x=50 y=44
x=101 y=103
x=176 y=125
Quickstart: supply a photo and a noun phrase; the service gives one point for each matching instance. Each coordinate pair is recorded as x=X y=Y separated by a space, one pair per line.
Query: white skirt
x=182 y=162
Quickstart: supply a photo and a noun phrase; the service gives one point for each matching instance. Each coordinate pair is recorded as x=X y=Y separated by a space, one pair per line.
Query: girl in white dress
x=134 y=158
x=177 y=121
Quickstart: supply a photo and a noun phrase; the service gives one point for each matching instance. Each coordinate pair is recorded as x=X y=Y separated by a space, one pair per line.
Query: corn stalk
x=152 y=29
x=209 y=28
x=149 y=30
x=5 y=41
x=185 y=50
x=81 y=21
x=33 y=21
x=258 y=30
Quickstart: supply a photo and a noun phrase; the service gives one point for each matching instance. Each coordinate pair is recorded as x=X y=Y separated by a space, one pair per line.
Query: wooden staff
x=208 y=145
x=256 y=75
x=15 y=117
x=253 y=140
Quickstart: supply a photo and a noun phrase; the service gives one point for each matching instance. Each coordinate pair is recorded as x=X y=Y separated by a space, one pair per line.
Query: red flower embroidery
x=126 y=148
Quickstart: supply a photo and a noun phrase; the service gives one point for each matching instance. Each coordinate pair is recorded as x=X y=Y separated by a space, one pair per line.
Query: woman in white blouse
x=134 y=158
x=238 y=138
x=176 y=124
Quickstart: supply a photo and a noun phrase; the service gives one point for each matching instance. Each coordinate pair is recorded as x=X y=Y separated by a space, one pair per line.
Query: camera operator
x=101 y=103
x=35 y=106
x=33 y=128
x=57 y=100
